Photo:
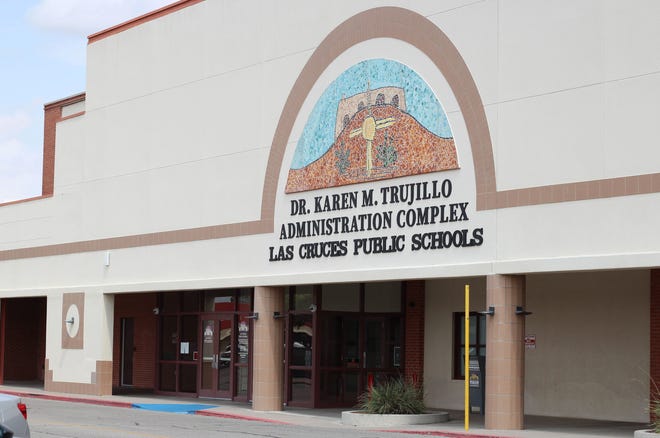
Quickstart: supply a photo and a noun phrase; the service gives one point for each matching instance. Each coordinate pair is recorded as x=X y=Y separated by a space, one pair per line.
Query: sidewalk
x=536 y=427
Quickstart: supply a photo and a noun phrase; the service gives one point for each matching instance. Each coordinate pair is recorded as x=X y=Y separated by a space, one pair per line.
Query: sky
x=42 y=59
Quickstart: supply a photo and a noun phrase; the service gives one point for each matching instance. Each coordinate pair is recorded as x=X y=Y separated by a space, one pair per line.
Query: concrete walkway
x=536 y=427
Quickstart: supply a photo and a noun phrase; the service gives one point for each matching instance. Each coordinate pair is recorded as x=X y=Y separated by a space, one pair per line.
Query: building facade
x=283 y=202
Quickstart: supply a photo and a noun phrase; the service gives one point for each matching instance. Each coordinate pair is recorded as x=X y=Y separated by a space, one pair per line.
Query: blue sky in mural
x=318 y=135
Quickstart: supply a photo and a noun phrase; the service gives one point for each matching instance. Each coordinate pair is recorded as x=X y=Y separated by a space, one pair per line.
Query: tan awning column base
x=505 y=360
x=267 y=382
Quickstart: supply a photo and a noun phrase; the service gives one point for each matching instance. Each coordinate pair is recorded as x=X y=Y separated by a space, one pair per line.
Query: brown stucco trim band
x=410 y=27
x=578 y=191
x=139 y=240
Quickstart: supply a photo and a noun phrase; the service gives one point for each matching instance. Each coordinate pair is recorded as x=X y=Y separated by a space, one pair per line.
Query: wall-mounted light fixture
x=254 y=315
x=521 y=311
x=490 y=311
x=278 y=315
x=71 y=320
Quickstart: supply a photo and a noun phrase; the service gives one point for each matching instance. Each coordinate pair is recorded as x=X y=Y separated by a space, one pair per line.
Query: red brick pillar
x=414 y=330
x=654 y=336
x=52 y=115
x=505 y=357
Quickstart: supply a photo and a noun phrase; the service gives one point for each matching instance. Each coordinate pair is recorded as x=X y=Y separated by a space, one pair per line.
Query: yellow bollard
x=467 y=357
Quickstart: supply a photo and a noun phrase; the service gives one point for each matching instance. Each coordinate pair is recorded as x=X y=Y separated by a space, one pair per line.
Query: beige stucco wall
x=443 y=298
x=592 y=345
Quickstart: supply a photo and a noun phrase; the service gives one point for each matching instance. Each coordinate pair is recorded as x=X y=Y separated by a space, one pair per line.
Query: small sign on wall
x=530 y=342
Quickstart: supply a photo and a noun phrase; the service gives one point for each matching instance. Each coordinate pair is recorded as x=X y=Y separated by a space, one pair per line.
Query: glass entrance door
x=217 y=358
x=356 y=351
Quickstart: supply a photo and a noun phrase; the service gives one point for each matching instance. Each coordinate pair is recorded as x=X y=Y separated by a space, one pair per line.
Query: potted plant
x=393 y=397
x=393 y=402
x=654 y=408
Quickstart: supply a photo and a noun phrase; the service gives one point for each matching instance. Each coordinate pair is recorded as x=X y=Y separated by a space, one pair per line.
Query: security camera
x=156 y=310
x=312 y=308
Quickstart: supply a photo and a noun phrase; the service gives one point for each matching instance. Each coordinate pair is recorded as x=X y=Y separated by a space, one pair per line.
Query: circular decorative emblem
x=72 y=321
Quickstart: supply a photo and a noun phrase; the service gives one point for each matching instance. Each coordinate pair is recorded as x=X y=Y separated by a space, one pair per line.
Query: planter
x=362 y=419
x=646 y=434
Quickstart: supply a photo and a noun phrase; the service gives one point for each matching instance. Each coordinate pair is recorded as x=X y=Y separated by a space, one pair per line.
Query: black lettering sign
x=436 y=210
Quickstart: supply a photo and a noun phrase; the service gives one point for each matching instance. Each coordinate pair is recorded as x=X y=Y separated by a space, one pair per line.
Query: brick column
x=654 y=335
x=414 y=329
x=268 y=342
x=505 y=360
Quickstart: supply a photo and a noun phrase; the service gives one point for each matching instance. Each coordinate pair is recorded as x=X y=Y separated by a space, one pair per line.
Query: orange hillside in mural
x=379 y=142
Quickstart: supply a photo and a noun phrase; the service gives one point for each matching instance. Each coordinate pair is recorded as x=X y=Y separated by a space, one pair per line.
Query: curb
x=128 y=405
x=239 y=417
x=444 y=434
x=115 y=404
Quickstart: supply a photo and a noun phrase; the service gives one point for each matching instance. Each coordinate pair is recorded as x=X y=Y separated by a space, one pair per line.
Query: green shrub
x=394 y=396
x=655 y=415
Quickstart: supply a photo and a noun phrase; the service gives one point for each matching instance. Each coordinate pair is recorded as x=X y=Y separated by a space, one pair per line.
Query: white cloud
x=13 y=124
x=84 y=17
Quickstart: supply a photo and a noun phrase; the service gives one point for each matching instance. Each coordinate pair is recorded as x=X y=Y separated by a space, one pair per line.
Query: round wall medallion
x=72 y=321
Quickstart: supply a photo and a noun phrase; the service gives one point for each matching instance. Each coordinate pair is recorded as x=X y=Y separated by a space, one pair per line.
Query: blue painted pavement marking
x=176 y=408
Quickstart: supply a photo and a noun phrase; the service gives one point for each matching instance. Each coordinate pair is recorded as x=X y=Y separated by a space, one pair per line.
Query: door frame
x=217 y=319
x=124 y=338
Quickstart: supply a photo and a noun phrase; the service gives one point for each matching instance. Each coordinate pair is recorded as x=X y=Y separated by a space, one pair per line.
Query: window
x=477 y=340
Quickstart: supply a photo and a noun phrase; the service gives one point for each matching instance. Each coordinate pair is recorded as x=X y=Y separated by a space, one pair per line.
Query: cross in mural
x=368 y=131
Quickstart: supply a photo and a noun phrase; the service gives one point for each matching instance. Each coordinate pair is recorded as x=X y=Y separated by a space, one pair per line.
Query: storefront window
x=243 y=340
x=188 y=378
x=190 y=301
x=341 y=297
x=301 y=386
x=170 y=302
x=382 y=297
x=477 y=340
x=302 y=341
x=188 y=344
x=219 y=301
x=167 y=377
x=245 y=300
x=339 y=387
x=169 y=337
x=241 y=381
x=303 y=298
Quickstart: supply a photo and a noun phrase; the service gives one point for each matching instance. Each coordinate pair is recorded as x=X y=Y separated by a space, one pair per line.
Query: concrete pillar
x=267 y=380
x=505 y=360
x=79 y=352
